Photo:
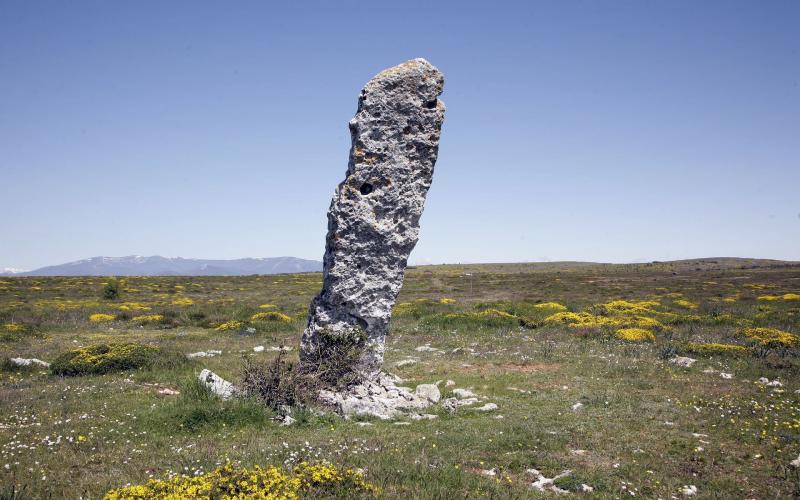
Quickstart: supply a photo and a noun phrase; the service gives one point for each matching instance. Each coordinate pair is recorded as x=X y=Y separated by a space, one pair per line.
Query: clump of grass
x=570 y=482
x=105 y=358
x=492 y=318
x=197 y=407
x=306 y=480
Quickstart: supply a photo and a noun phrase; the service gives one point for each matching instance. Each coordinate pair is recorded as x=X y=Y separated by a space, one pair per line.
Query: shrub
x=334 y=361
x=552 y=306
x=276 y=383
x=229 y=325
x=635 y=335
x=99 y=318
x=771 y=337
x=148 y=318
x=334 y=365
x=230 y=481
x=271 y=316
x=104 y=358
x=111 y=290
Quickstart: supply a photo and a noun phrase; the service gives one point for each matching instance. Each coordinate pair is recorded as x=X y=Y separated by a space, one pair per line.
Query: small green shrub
x=104 y=358
x=111 y=290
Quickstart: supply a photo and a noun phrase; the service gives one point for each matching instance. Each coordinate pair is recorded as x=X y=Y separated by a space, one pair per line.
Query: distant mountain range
x=136 y=265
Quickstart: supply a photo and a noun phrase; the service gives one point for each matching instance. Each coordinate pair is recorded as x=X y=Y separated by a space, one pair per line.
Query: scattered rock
x=426 y=348
x=726 y=376
x=373 y=220
x=450 y=405
x=577 y=406
x=463 y=393
x=29 y=362
x=682 y=361
x=166 y=391
x=795 y=462
x=217 y=384
x=405 y=362
x=542 y=483
x=689 y=490
x=429 y=392
x=287 y=421
x=204 y=354
x=423 y=416
x=487 y=407
x=449 y=383
x=380 y=398
x=258 y=348
x=284 y=348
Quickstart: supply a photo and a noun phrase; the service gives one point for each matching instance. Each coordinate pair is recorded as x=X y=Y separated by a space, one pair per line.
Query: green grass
x=644 y=426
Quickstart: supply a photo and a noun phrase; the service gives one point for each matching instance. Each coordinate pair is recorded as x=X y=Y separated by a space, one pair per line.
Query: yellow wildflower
x=99 y=317
x=771 y=336
x=229 y=325
x=271 y=316
x=635 y=335
x=553 y=306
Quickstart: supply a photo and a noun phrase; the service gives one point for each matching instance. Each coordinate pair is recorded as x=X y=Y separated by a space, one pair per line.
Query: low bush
x=271 y=316
x=104 y=358
x=306 y=480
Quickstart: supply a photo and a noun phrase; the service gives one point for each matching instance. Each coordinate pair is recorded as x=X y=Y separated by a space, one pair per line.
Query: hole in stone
x=407 y=130
x=366 y=188
x=431 y=104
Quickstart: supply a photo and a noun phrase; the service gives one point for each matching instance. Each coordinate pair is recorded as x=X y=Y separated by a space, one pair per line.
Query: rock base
x=382 y=398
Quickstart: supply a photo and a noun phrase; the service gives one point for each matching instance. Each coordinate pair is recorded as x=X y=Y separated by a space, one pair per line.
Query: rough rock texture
x=29 y=362
x=216 y=384
x=381 y=398
x=373 y=220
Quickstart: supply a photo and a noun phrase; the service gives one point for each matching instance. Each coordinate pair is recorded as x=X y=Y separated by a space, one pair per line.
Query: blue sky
x=605 y=131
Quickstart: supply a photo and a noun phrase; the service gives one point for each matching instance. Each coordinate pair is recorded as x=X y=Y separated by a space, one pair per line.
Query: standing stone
x=373 y=220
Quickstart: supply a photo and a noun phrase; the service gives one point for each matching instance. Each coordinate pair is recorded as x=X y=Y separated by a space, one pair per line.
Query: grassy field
x=573 y=354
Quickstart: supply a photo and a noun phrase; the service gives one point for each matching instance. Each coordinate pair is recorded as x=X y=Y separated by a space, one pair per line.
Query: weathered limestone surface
x=373 y=220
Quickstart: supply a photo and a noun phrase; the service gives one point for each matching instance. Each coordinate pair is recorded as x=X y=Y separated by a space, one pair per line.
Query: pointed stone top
x=416 y=77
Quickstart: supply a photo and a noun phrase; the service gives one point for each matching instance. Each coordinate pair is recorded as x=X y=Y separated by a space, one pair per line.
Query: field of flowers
x=578 y=358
